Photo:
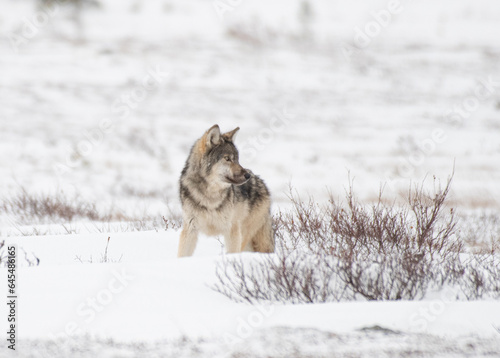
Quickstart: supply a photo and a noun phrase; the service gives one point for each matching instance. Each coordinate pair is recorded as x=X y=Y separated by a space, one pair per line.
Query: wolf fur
x=220 y=197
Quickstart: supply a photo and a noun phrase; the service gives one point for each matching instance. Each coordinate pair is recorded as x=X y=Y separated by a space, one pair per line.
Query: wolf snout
x=241 y=177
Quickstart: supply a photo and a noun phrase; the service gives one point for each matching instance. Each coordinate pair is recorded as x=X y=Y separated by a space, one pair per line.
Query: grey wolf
x=220 y=197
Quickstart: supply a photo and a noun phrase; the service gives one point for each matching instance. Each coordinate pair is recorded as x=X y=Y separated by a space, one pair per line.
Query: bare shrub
x=287 y=277
x=29 y=259
x=3 y=253
x=42 y=206
x=350 y=251
x=480 y=277
x=481 y=232
x=29 y=213
x=172 y=223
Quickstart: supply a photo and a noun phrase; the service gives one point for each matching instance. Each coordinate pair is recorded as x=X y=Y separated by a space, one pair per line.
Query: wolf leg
x=233 y=240
x=247 y=246
x=187 y=241
x=263 y=240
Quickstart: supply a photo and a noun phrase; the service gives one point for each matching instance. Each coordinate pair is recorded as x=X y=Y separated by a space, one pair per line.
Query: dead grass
x=105 y=258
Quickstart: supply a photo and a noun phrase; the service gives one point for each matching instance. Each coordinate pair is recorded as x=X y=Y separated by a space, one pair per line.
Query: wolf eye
x=227 y=158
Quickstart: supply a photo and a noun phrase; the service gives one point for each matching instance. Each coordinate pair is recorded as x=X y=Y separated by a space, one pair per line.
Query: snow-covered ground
x=103 y=103
x=152 y=304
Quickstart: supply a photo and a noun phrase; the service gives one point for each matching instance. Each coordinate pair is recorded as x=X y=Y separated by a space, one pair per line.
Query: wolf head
x=217 y=158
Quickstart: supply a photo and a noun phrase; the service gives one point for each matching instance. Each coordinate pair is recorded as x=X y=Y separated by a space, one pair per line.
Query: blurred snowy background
x=102 y=100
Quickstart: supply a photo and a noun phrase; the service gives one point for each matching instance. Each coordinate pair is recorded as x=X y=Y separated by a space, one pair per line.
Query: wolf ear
x=212 y=136
x=231 y=135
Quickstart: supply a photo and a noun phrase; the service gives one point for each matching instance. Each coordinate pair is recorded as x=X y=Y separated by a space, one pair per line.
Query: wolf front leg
x=188 y=239
x=233 y=240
